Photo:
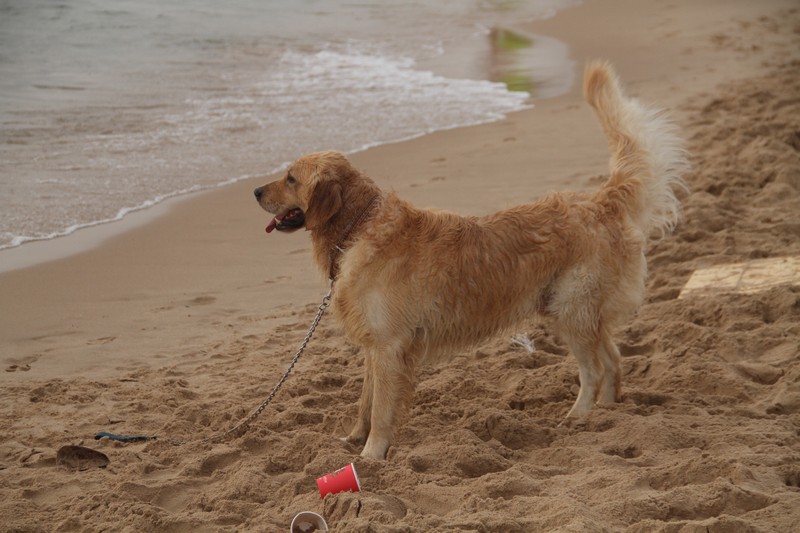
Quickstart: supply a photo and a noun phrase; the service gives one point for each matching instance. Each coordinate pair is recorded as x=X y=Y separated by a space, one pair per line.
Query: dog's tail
x=647 y=155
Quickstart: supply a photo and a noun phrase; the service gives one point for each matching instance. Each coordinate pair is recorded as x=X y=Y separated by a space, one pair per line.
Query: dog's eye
x=290 y=179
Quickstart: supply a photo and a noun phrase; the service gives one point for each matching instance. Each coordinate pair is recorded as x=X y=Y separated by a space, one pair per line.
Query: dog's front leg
x=360 y=431
x=393 y=390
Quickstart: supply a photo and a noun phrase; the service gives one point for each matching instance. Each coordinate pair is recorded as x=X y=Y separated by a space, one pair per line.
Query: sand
x=180 y=326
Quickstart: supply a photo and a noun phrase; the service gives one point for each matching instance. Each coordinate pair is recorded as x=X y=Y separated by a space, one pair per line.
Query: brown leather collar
x=340 y=246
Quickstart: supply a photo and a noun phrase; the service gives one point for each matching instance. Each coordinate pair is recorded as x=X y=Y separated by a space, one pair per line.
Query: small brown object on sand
x=81 y=458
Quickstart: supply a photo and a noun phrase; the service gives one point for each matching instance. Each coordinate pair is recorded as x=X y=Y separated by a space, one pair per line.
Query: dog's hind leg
x=611 y=384
x=586 y=347
x=575 y=307
x=359 y=433
x=393 y=391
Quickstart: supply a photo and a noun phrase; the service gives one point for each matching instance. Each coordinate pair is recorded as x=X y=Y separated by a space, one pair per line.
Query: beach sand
x=181 y=325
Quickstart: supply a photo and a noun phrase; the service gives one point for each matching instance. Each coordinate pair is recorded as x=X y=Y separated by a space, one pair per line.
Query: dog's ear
x=325 y=201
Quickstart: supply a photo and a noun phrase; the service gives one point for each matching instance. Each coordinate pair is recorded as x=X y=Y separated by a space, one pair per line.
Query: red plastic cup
x=342 y=480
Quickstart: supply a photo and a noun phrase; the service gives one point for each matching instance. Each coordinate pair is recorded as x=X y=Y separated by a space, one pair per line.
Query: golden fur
x=415 y=285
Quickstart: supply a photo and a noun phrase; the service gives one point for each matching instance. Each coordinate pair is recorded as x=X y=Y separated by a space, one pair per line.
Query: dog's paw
x=377 y=455
x=350 y=443
x=356 y=439
x=375 y=450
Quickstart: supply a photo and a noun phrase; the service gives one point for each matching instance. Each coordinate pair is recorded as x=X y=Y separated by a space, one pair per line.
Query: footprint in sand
x=101 y=340
x=432 y=180
x=626 y=452
x=277 y=279
x=203 y=300
x=23 y=364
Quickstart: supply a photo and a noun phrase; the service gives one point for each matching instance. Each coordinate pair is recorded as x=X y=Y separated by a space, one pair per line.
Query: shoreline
x=63 y=243
x=564 y=23
x=465 y=56
x=39 y=250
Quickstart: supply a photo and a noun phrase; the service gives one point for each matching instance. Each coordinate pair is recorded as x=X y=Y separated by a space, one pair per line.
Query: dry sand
x=181 y=326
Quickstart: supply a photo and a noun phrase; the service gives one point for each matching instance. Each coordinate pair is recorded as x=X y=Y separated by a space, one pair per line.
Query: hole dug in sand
x=746 y=278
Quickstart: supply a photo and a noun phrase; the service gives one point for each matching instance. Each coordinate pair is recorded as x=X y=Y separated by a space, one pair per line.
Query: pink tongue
x=271 y=225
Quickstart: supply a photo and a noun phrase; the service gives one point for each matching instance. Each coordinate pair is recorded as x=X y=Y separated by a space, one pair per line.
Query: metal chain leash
x=243 y=425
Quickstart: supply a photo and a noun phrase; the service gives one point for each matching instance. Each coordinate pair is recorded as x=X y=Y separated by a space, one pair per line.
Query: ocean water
x=109 y=106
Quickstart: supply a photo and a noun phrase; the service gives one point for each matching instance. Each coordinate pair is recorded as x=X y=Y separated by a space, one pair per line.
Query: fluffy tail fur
x=647 y=155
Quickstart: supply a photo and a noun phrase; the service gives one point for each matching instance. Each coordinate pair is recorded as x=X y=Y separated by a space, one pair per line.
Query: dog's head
x=309 y=195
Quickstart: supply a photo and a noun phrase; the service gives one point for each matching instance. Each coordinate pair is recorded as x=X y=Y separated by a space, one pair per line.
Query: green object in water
x=511 y=40
x=518 y=81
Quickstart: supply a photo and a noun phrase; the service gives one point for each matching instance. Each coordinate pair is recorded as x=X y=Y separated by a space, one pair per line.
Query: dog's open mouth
x=287 y=220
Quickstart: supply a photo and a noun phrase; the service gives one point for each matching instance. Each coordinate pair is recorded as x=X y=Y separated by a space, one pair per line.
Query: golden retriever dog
x=413 y=285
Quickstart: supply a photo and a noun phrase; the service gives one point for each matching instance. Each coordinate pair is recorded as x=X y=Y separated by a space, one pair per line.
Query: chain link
x=245 y=423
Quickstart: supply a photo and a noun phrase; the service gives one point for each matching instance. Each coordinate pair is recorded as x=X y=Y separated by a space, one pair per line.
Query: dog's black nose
x=258 y=192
